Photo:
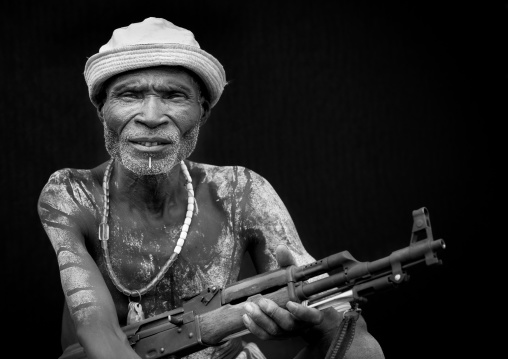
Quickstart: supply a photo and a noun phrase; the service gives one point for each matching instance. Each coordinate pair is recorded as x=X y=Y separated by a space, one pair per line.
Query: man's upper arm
x=63 y=214
x=273 y=226
x=267 y=223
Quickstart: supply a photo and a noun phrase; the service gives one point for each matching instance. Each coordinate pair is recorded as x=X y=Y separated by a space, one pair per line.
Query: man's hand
x=267 y=320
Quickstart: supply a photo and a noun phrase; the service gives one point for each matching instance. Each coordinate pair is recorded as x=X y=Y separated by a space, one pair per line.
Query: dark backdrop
x=357 y=113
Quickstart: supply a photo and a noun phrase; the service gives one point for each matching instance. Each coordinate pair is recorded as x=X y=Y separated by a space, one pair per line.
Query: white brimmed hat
x=153 y=42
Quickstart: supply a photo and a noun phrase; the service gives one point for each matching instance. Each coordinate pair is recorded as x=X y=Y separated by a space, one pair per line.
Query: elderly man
x=140 y=234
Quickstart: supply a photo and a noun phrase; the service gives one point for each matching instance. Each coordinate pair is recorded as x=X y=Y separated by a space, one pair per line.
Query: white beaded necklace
x=135 y=309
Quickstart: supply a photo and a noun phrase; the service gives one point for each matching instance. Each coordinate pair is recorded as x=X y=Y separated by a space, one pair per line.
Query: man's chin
x=147 y=167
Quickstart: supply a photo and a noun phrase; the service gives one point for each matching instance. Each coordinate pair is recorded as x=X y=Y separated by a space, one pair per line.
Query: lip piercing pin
x=150 y=162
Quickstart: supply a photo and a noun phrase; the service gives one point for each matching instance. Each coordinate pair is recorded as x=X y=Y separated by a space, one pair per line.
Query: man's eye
x=129 y=94
x=173 y=95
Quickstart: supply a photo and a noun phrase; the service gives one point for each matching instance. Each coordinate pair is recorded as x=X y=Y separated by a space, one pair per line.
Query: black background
x=356 y=112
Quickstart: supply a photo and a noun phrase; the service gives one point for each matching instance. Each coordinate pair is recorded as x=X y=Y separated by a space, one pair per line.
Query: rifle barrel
x=405 y=257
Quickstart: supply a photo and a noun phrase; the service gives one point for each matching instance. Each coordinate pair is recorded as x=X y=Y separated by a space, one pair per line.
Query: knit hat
x=153 y=42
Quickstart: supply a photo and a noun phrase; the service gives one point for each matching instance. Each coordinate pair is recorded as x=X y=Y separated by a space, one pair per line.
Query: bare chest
x=139 y=250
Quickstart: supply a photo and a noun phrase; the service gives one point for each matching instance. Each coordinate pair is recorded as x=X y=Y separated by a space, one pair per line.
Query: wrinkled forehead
x=157 y=72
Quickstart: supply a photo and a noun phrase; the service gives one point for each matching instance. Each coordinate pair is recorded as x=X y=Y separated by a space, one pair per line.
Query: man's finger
x=284 y=256
x=281 y=317
x=254 y=328
x=306 y=314
x=262 y=321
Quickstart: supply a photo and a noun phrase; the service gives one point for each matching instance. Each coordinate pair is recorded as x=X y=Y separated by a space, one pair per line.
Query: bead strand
x=104 y=233
x=189 y=213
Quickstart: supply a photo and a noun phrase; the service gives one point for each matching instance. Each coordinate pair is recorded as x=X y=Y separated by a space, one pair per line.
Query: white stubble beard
x=121 y=150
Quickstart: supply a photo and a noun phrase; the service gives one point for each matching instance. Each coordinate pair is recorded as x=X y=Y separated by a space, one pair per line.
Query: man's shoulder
x=69 y=189
x=227 y=182
x=211 y=171
x=67 y=178
x=239 y=175
x=66 y=175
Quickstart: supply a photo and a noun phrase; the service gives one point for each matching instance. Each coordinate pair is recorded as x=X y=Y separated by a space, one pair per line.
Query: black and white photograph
x=253 y=179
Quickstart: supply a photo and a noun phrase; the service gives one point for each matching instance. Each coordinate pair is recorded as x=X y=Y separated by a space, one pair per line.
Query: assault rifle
x=215 y=315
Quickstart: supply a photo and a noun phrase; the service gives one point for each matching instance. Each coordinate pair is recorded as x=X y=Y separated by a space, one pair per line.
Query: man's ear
x=99 y=113
x=206 y=110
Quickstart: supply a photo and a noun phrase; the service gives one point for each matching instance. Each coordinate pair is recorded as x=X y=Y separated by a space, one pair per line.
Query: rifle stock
x=215 y=315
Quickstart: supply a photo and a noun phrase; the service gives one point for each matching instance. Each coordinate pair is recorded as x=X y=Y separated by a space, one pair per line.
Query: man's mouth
x=149 y=145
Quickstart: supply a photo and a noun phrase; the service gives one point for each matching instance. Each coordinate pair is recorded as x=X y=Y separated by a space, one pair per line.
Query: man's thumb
x=284 y=256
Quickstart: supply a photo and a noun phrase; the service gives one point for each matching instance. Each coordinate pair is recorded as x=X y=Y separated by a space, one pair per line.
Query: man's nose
x=153 y=113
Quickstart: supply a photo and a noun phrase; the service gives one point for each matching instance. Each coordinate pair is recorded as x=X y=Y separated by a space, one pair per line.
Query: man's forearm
x=321 y=337
x=105 y=342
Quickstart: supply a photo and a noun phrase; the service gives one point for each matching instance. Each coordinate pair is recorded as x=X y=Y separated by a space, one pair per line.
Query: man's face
x=152 y=113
